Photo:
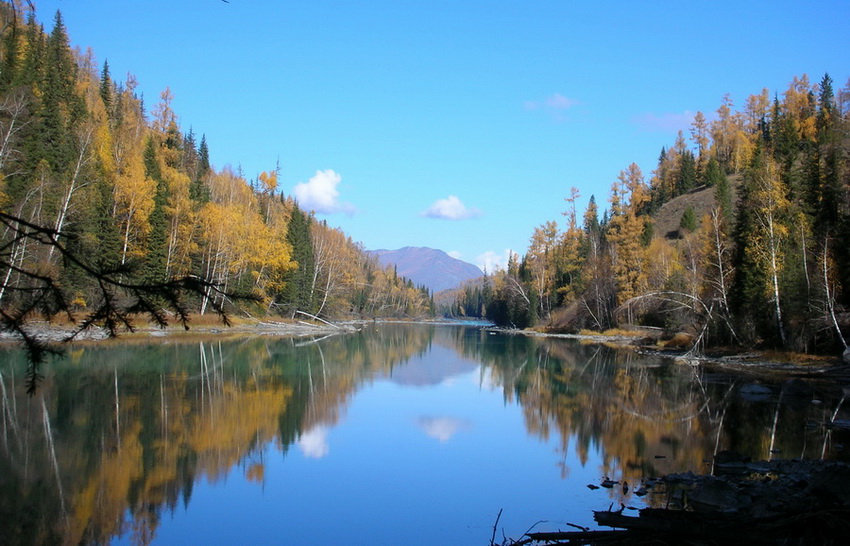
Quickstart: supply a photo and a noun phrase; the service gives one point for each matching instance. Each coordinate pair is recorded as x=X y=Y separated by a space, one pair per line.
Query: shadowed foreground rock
x=764 y=502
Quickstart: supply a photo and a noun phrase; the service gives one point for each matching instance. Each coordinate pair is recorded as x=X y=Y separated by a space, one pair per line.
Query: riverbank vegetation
x=738 y=237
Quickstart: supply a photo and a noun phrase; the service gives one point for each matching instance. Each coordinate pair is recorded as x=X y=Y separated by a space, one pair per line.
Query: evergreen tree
x=156 y=255
x=660 y=191
x=61 y=107
x=761 y=240
x=687 y=173
x=106 y=230
x=106 y=86
x=827 y=115
x=10 y=62
x=688 y=223
x=199 y=192
x=591 y=217
x=713 y=172
x=203 y=157
x=296 y=294
x=746 y=299
x=782 y=140
x=190 y=158
x=722 y=190
x=30 y=77
x=31 y=73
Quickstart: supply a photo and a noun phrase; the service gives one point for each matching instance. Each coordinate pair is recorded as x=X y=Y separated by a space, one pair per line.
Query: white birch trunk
x=85 y=141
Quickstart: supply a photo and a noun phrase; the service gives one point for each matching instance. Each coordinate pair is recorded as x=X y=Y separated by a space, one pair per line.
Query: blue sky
x=458 y=125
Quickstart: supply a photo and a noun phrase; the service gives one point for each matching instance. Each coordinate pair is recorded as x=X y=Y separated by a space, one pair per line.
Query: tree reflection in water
x=121 y=433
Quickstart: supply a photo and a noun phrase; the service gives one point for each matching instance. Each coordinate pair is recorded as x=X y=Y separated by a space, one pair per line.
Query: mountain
x=428 y=267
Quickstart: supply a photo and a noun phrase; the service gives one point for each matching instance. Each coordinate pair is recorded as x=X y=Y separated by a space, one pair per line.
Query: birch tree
x=769 y=204
x=540 y=261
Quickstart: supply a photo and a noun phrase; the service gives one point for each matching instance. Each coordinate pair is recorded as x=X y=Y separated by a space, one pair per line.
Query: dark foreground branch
x=30 y=288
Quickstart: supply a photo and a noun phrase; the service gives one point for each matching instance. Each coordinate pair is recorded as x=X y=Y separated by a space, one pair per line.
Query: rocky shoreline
x=58 y=333
x=744 y=502
x=753 y=363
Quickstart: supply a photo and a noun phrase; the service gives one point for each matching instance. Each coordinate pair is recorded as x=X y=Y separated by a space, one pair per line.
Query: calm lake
x=398 y=434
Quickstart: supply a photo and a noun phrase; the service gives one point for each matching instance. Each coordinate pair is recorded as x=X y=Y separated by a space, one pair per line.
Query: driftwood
x=314 y=317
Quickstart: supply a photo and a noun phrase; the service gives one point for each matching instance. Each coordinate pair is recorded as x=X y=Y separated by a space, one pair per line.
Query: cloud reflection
x=314 y=443
x=442 y=428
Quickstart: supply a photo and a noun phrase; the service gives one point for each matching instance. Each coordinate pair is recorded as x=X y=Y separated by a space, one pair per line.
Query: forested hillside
x=770 y=267
x=103 y=196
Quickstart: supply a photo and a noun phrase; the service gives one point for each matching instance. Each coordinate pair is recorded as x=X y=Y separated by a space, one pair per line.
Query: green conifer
x=687 y=173
x=156 y=255
x=688 y=223
x=106 y=88
x=296 y=294
x=11 y=51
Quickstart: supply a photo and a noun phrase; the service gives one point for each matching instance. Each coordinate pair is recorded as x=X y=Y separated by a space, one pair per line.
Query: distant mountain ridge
x=428 y=267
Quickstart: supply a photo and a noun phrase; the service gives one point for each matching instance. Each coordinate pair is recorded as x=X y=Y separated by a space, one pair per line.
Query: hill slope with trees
x=739 y=235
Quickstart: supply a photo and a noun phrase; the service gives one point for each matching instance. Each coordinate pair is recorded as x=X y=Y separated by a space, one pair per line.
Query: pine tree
x=746 y=301
x=713 y=173
x=688 y=223
x=199 y=192
x=106 y=88
x=30 y=77
x=203 y=157
x=156 y=254
x=687 y=173
x=108 y=236
x=61 y=107
x=760 y=238
x=722 y=190
x=660 y=190
x=296 y=294
x=31 y=73
x=10 y=62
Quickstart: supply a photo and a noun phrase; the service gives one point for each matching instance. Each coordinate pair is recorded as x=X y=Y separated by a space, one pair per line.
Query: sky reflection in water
x=399 y=434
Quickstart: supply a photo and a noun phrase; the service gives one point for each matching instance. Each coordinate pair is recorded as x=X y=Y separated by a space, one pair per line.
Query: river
x=397 y=434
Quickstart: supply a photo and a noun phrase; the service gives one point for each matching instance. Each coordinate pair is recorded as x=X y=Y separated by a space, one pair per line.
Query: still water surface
x=397 y=434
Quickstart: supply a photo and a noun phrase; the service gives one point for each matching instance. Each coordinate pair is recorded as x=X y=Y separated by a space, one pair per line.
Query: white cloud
x=490 y=261
x=559 y=102
x=668 y=122
x=455 y=254
x=554 y=104
x=442 y=428
x=314 y=443
x=319 y=194
x=450 y=208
